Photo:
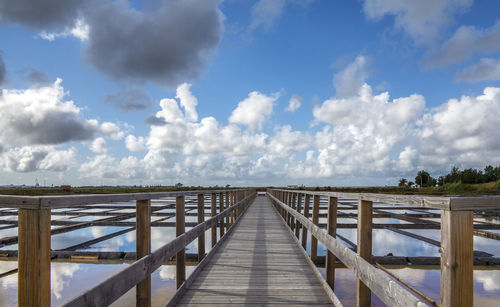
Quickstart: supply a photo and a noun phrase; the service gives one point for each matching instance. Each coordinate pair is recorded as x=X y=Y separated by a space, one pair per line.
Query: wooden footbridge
x=258 y=254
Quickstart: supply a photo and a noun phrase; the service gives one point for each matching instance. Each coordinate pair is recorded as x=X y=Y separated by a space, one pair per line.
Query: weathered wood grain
x=201 y=219
x=180 y=228
x=365 y=208
x=456 y=259
x=332 y=231
x=249 y=268
x=143 y=248
x=34 y=258
x=315 y=220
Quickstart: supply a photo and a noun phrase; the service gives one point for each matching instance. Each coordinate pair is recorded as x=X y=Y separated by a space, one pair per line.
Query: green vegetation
x=455 y=177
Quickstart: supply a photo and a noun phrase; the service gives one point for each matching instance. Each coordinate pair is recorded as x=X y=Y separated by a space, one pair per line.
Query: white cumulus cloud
x=134 y=143
x=294 y=103
x=253 y=110
x=99 y=145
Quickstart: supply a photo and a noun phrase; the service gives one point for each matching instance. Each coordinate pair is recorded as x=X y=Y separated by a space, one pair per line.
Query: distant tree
x=411 y=184
x=424 y=179
x=227 y=186
x=441 y=181
x=403 y=183
x=179 y=185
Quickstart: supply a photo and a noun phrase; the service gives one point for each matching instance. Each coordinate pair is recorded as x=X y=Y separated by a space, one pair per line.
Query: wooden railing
x=34 y=230
x=456 y=241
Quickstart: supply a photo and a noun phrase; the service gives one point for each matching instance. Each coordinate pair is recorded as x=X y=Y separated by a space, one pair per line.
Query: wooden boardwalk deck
x=258 y=264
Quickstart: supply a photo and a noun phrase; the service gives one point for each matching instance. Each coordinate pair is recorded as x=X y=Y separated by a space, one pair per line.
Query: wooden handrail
x=115 y=286
x=423 y=201
x=385 y=288
x=65 y=201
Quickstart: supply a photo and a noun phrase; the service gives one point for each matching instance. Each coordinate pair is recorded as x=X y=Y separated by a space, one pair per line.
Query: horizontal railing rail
x=390 y=292
x=67 y=201
x=488 y=202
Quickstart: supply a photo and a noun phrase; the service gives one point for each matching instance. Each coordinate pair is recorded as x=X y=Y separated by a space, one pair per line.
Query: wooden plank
x=182 y=290
x=251 y=260
x=180 y=228
x=456 y=258
x=315 y=220
x=21 y=202
x=475 y=203
x=34 y=258
x=143 y=248
x=365 y=208
x=332 y=231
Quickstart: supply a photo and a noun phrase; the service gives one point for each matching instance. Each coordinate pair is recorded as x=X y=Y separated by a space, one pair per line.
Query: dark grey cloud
x=466 y=42
x=486 y=69
x=168 y=45
x=155 y=121
x=53 y=128
x=37 y=78
x=40 y=14
x=3 y=71
x=131 y=98
x=167 y=42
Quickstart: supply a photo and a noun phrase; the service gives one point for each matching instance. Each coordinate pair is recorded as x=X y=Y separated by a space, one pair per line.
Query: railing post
x=180 y=228
x=233 y=202
x=294 y=199
x=143 y=248
x=307 y=200
x=457 y=258
x=299 y=209
x=201 y=219
x=214 y=213
x=332 y=231
x=34 y=257
x=365 y=208
x=289 y=203
x=228 y=218
x=315 y=220
x=221 y=208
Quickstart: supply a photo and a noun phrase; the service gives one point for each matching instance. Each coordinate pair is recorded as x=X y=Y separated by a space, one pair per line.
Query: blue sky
x=246 y=92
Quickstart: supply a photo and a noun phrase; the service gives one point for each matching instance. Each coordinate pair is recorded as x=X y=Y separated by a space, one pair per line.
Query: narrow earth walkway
x=258 y=264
